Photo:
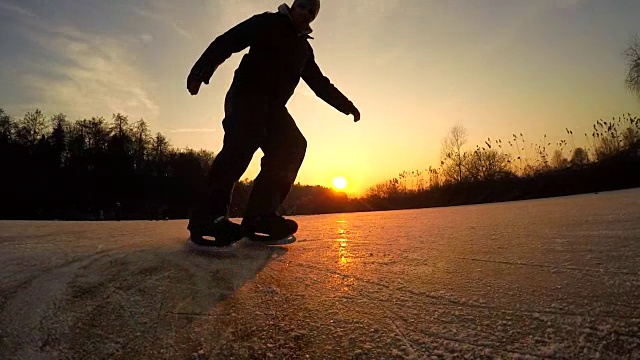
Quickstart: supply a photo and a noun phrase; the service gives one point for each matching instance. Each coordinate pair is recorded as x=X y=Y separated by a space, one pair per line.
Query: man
x=256 y=117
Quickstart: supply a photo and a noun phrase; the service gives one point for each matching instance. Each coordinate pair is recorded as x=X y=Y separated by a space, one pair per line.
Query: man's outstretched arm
x=325 y=90
x=234 y=40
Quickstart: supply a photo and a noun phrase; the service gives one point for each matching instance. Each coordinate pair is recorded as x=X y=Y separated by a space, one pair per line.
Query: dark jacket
x=278 y=57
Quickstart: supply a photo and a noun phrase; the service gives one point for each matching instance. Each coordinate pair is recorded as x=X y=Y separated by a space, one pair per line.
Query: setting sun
x=339 y=183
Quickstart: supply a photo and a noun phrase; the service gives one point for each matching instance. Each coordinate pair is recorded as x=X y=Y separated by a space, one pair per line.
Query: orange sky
x=414 y=68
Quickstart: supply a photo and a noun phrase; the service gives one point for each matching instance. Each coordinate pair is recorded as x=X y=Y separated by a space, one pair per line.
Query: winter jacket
x=278 y=57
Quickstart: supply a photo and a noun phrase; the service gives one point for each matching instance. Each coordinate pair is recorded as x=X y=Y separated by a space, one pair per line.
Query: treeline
x=53 y=168
x=514 y=169
x=92 y=168
x=95 y=168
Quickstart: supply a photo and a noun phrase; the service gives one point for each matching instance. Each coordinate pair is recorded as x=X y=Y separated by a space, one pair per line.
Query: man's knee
x=231 y=162
x=292 y=149
x=300 y=147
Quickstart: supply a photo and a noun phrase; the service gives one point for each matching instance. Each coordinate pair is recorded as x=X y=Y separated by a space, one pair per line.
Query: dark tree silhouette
x=580 y=157
x=53 y=168
x=632 y=57
x=452 y=156
x=31 y=128
x=93 y=168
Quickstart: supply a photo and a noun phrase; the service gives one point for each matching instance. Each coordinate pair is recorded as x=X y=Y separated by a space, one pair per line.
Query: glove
x=355 y=112
x=193 y=84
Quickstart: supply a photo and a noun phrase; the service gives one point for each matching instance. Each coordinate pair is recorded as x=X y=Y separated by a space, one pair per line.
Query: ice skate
x=270 y=229
x=222 y=232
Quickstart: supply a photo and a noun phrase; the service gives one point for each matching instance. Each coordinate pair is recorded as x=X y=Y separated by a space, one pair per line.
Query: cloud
x=79 y=72
x=164 y=19
x=15 y=10
x=146 y=38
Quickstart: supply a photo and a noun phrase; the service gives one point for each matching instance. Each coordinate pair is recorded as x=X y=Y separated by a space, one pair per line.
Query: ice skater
x=256 y=117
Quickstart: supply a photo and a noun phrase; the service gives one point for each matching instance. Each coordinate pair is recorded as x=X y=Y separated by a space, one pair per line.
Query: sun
x=339 y=182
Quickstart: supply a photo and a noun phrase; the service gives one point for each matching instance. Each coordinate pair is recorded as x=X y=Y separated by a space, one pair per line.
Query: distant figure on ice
x=256 y=117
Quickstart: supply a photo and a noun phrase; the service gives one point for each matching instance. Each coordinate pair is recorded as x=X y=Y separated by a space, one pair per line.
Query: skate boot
x=222 y=232
x=270 y=229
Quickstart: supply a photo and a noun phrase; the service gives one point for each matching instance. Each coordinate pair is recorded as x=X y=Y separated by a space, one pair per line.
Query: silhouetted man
x=256 y=116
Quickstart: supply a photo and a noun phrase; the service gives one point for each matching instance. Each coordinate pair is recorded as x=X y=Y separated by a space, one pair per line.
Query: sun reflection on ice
x=346 y=263
x=344 y=256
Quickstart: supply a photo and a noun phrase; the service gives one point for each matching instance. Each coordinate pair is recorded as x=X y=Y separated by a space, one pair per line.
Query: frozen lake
x=550 y=278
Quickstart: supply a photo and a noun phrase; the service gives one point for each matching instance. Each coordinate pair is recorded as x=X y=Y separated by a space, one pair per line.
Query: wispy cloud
x=81 y=73
x=154 y=12
x=15 y=10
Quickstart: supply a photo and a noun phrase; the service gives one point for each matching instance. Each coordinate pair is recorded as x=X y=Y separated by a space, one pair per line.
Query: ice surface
x=552 y=278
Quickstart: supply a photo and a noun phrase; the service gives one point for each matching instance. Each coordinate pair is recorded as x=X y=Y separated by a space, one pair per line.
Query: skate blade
x=267 y=240
x=209 y=245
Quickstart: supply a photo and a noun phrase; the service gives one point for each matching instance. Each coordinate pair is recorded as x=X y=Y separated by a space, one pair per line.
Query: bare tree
x=32 y=127
x=630 y=137
x=6 y=125
x=451 y=154
x=58 y=138
x=160 y=147
x=98 y=133
x=385 y=189
x=558 y=161
x=120 y=127
x=632 y=56
x=141 y=142
x=488 y=164
x=580 y=157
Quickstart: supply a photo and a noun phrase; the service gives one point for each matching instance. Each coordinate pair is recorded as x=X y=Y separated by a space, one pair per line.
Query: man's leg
x=242 y=138
x=284 y=148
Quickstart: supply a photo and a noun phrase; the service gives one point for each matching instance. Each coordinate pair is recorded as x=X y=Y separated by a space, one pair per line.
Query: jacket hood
x=286 y=10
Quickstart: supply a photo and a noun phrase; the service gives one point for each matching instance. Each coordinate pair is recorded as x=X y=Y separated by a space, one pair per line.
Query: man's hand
x=193 y=85
x=356 y=114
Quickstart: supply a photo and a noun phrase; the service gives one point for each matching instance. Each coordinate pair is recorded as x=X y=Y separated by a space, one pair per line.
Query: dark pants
x=251 y=122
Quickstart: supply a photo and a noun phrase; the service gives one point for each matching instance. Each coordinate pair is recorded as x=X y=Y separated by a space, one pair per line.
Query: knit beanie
x=312 y=4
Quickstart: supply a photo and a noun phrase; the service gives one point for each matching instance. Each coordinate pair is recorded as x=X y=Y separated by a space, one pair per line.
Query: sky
x=414 y=68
